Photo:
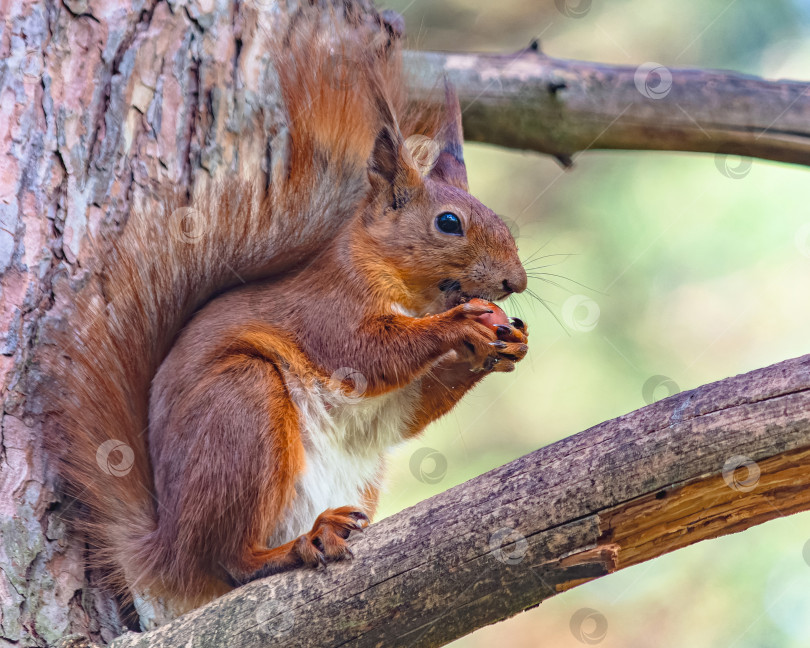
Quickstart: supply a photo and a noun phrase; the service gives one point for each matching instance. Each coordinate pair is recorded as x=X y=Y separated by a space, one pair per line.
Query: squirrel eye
x=449 y=223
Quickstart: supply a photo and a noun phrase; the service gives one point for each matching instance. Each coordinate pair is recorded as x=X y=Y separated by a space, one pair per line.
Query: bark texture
x=701 y=464
x=532 y=101
x=100 y=102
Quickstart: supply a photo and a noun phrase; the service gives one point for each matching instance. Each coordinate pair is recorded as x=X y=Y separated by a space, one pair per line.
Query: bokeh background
x=692 y=276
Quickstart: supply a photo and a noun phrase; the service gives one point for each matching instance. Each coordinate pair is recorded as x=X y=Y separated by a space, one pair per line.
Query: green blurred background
x=695 y=276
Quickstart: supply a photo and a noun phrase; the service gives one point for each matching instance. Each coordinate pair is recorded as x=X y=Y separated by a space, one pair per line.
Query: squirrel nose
x=517 y=283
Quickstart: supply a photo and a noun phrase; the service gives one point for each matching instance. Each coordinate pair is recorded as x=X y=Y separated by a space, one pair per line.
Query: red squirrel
x=211 y=423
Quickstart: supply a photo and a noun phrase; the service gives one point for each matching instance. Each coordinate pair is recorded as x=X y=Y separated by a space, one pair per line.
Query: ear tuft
x=389 y=168
x=384 y=160
x=449 y=166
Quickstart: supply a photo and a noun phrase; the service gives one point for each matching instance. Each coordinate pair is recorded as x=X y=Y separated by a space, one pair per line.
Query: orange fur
x=345 y=268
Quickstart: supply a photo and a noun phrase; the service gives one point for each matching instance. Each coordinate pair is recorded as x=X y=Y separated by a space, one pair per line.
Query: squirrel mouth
x=455 y=296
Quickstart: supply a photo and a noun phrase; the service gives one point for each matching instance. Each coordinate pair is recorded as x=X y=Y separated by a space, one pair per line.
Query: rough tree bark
x=100 y=100
x=532 y=101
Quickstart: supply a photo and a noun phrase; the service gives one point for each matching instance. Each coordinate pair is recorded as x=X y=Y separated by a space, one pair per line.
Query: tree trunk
x=102 y=101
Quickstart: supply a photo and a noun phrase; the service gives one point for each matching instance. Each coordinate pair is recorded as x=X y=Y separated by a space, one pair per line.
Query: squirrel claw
x=505 y=366
x=327 y=541
x=361 y=518
x=512 y=333
x=517 y=323
x=470 y=308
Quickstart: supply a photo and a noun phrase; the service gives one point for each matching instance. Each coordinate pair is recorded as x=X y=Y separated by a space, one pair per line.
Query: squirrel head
x=425 y=242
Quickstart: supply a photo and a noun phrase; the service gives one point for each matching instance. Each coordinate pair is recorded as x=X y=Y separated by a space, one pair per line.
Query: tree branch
x=531 y=101
x=701 y=464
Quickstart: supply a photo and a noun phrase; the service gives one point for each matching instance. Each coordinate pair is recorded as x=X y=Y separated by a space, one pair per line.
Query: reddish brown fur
x=345 y=266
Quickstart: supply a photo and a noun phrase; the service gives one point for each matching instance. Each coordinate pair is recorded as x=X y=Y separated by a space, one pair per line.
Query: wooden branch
x=701 y=464
x=531 y=101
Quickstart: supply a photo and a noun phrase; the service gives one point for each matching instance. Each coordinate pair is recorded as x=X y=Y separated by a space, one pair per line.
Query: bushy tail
x=170 y=260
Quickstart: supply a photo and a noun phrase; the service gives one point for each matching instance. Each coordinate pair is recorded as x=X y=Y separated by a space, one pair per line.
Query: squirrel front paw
x=490 y=340
x=508 y=354
x=512 y=344
x=327 y=539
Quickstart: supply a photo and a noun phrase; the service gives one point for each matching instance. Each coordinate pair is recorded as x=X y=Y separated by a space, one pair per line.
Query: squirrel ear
x=449 y=167
x=384 y=161
x=388 y=171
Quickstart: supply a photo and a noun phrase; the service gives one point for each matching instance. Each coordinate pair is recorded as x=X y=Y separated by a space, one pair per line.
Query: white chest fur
x=345 y=439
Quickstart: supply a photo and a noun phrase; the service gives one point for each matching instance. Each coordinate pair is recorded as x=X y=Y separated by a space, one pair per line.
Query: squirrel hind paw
x=327 y=541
